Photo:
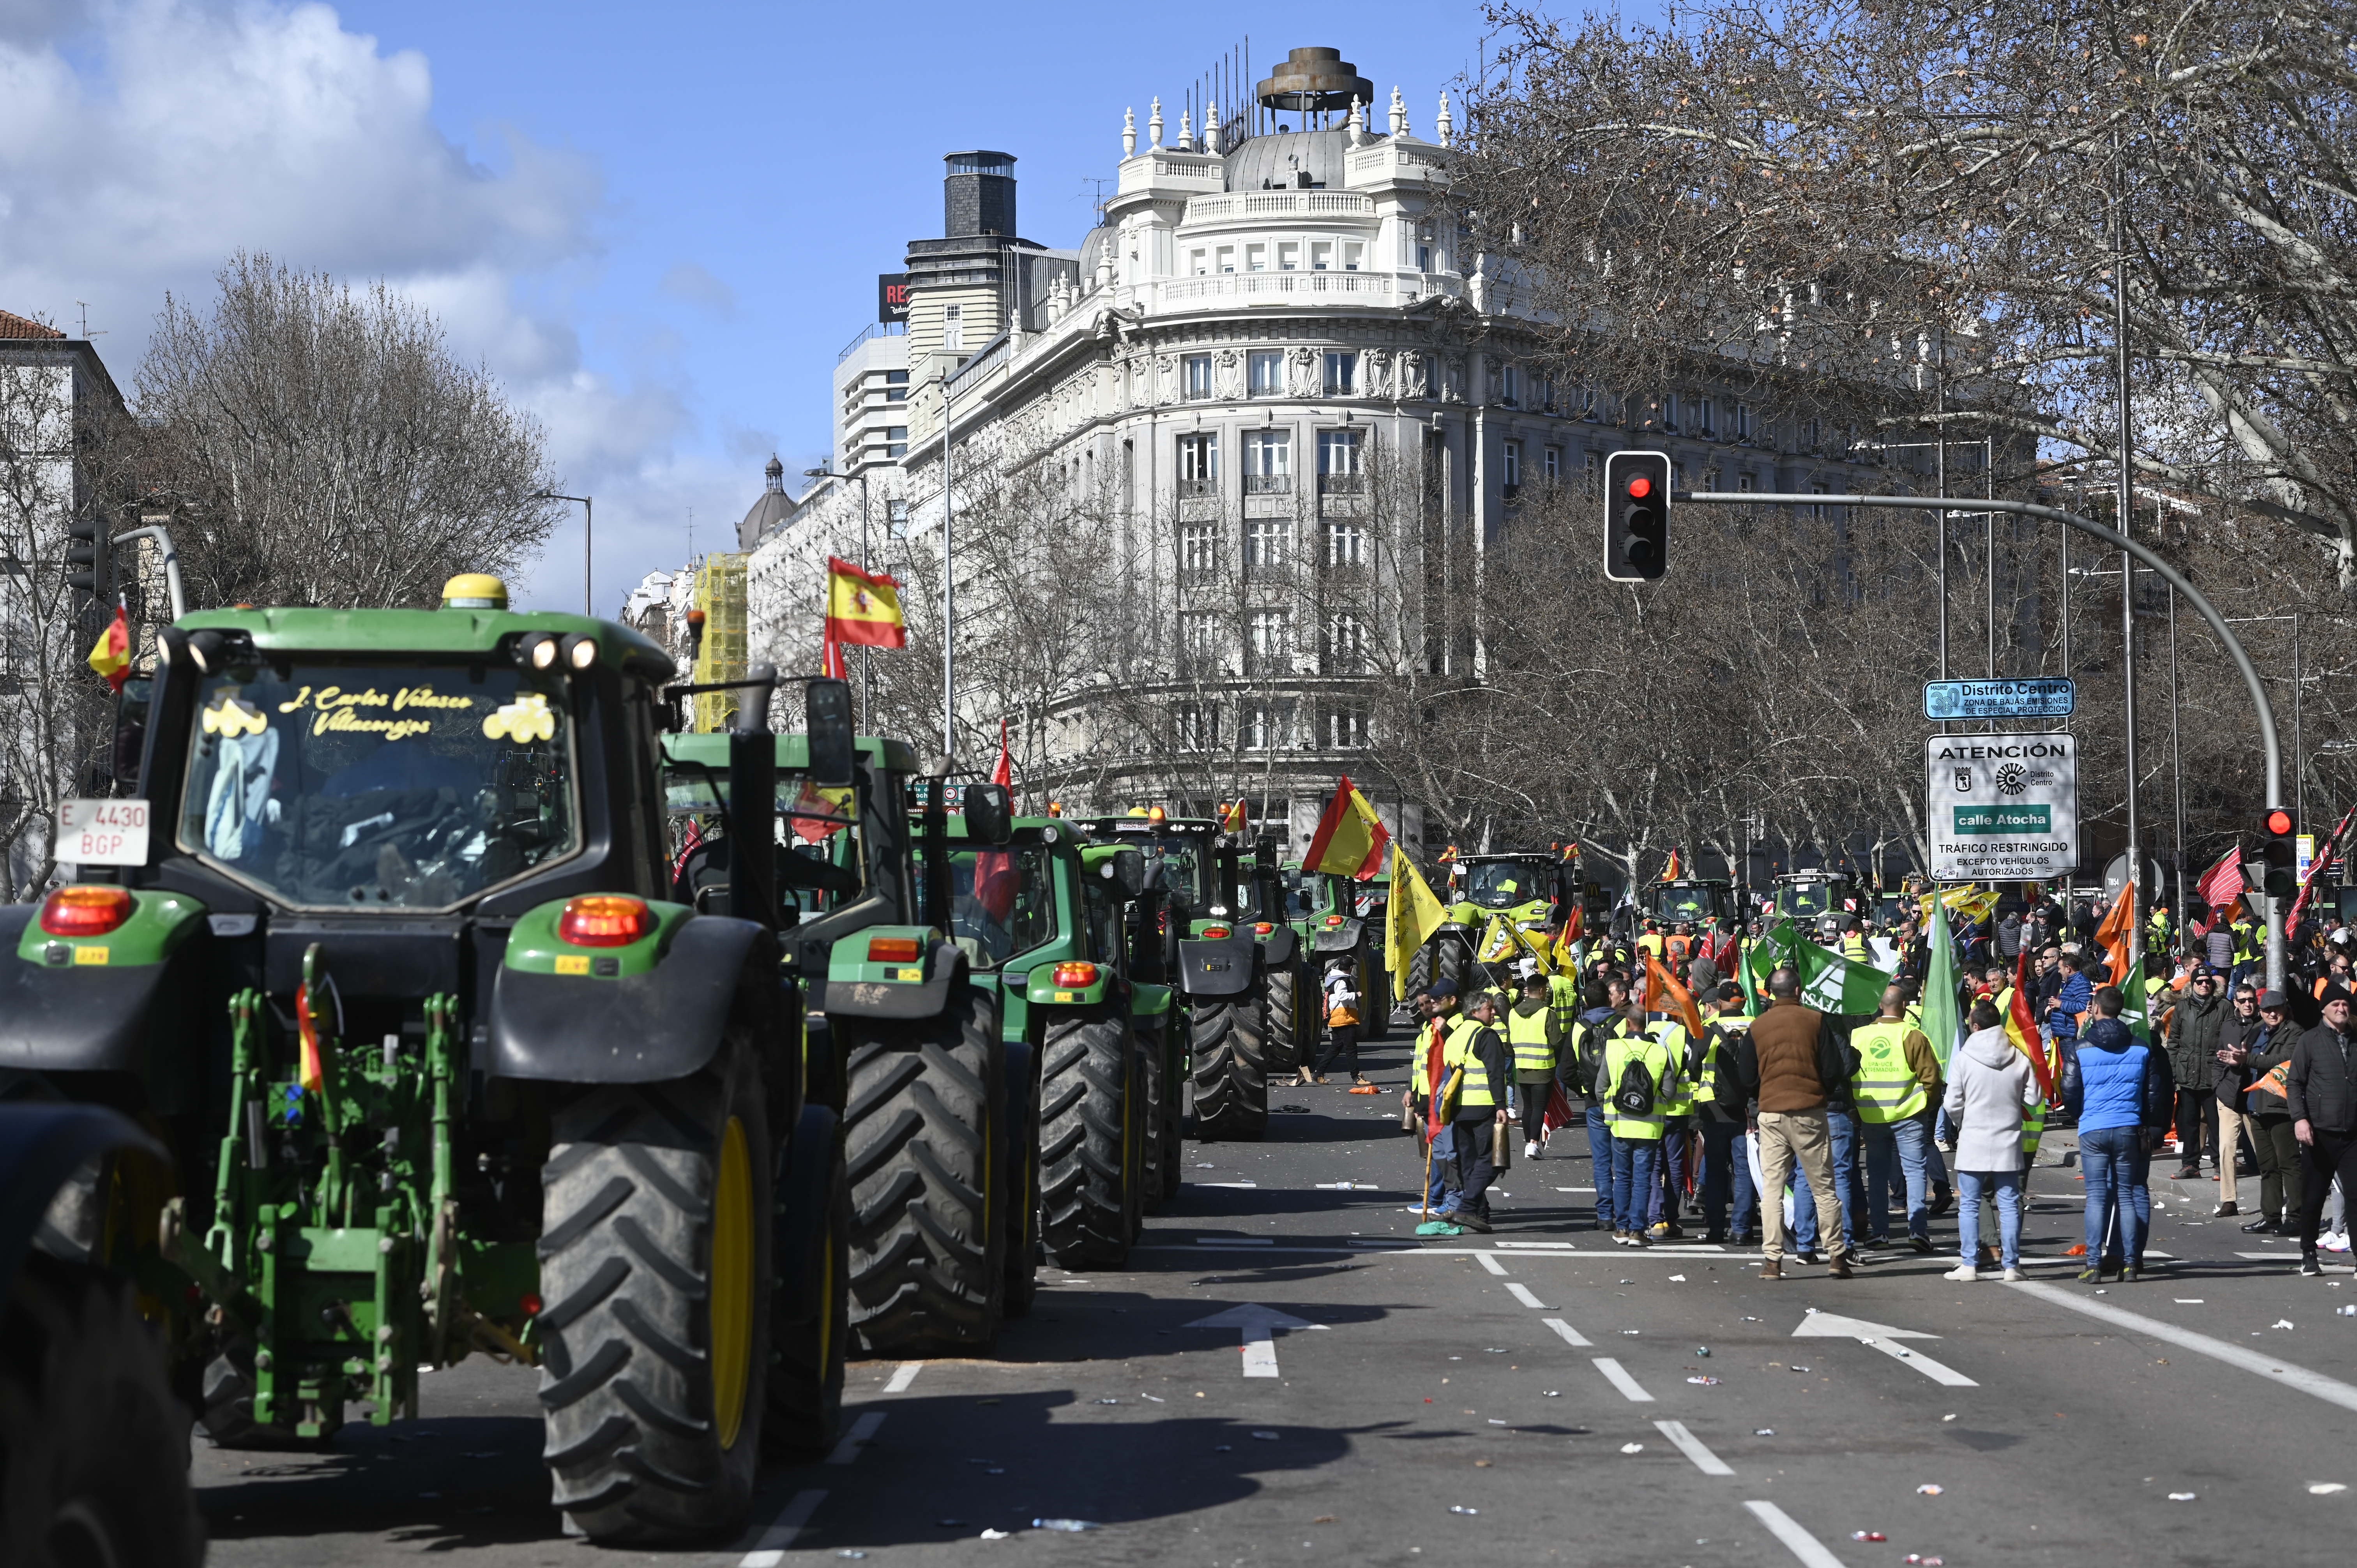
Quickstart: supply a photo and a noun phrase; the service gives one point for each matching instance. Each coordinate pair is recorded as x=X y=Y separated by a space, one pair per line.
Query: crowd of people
x=1824 y=1138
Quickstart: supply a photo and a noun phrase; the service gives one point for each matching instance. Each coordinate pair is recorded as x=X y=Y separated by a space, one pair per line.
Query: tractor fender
x=900 y=1000
x=1341 y=938
x=1217 y=966
x=646 y=1025
x=42 y=1145
x=1279 y=947
x=103 y=1003
x=806 y=1168
x=1146 y=1001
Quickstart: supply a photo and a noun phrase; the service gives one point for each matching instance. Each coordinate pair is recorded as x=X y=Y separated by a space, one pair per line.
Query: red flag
x=1005 y=772
x=831 y=662
x=111 y=658
x=2316 y=868
x=2222 y=882
x=1433 y=1119
x=1559 y=1111
x=1671 y=873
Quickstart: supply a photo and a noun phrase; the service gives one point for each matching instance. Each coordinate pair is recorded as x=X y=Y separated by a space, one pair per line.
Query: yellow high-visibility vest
x=1887 y=1089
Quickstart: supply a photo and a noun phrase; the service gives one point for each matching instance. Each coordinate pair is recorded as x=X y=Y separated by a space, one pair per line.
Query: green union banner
x=2004 y=820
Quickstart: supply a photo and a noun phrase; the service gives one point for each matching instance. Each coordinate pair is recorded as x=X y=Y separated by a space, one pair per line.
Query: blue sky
x=657 y=224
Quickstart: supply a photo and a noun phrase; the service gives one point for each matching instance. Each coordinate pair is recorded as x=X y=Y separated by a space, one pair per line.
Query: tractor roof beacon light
x=1636 y=516
x=474 y=591
x=2279 y=834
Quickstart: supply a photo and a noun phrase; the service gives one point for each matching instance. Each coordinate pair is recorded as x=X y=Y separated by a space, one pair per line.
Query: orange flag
x=2112 y=935
x=1665 y=995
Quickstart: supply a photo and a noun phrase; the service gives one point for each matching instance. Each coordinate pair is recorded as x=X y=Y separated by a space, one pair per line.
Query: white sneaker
x=2013 y=1276
x=1964 y=1271
x=2338 y=1241
x=1531 y=1150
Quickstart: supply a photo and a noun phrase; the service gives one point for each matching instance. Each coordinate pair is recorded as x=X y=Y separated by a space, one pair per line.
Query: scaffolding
x=720 y=595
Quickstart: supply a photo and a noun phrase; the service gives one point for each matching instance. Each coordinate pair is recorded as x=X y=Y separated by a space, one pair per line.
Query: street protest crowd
x=1826 y=1100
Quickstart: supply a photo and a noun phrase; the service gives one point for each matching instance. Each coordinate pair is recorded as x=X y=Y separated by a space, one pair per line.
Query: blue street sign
x=2041 y=699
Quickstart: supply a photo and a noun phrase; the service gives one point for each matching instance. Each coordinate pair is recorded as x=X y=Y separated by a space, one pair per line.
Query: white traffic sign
x=103 y=833
x=2002 y=808
x=1259 y=1325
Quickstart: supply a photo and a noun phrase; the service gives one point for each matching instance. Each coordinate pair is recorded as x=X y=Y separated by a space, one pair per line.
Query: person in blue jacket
x=2120 y=1091
x=2073 y=994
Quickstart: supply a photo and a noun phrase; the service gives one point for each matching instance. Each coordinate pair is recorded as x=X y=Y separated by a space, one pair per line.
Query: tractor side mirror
x=989 y=814
x=1126 y=870
x=131 y=730
x=833 y=760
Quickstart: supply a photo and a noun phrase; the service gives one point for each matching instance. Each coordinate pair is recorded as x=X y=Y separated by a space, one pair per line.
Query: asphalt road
x=1525 y=1397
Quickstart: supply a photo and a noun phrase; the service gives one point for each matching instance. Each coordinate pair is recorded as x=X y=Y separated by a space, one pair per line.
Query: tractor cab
x=1811 y=899
x=1698 y=901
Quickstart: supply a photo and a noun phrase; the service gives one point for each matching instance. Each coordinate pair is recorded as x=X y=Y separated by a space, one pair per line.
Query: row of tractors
x=434 y=994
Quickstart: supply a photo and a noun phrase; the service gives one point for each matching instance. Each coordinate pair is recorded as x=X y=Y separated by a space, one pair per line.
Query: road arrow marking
x=1259 y=1325
x=1882 y=1338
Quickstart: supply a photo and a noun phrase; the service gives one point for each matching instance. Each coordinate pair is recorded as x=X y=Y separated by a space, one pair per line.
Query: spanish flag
x=1351 y=840
x=2021 y=1027
x=111 y=658
x=311 y=1068
x=863 y=608
x=1675 y=870
x=1233 y=817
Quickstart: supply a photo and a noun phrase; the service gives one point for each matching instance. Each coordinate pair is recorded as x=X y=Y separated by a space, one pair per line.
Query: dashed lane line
x=1570 y=1335
x=1618 y=1376
x=770 y=1550
x=902 y=1376
x=2332 y=1391
x=1521 y=1292
x=1490 y=1262
x=861 y=1430
x=1687 y=1444
x=1798 y=1541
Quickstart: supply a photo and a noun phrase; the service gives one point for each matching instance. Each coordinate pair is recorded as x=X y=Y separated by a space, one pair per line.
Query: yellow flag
x=1498 y=942
x=1411 y=917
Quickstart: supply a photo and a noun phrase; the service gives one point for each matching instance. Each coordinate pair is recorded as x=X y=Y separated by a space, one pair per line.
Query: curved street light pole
x=587 y=593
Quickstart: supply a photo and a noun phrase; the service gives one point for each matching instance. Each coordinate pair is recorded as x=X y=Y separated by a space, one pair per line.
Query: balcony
x=1342 y=484
x=1268 y=484
x=1197 y=488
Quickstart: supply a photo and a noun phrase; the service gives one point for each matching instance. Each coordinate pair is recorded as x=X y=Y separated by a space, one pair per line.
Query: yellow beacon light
x=474 y=591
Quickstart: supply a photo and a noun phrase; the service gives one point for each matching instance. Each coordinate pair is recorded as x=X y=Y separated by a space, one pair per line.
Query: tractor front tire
x=656 y=1264
x=1088 y=1106
x=1422 y=969
x=1375 y=997
x=1283 y=1053
x=1022 y=1210
x=926 y=1104
x=1231 y=1072
x=94 y=1447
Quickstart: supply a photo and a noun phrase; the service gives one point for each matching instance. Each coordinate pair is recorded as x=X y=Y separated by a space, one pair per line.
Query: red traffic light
x=1639 y=488
x=2278 y=821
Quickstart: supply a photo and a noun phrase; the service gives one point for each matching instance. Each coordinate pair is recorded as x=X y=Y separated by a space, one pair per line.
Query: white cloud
x=685 y=280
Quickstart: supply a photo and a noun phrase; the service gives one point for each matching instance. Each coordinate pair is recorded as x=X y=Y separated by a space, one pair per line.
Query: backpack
x=1634 y=1096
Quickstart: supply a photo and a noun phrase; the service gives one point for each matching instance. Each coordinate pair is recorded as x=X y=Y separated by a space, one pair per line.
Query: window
x=1341 y=374
x=1199 y=550
x=1423 y=236
x=1199 y=641
x=1509 y=386
x=1268 y=726
x=1266 y=542
x=1269 y=636
x=953 y=329
x=1351 y=251
x=1346 y=645
x=1346 y=544
x=1224 y=258
x=1746 y=422
x=1678 y=477
x=896 y=519
x=1591 y=476
x=1338 y=462
x=1199 y=464
x=897 y=437
x=1198 y=262
x=1256 y=258
x=1555 y=465
x=1322 y=255
x=1542 y=393
x=896 y=386
x=1196 y=726
x=1509 y=467
x=1288 y=255
x=1268 y=462
x=1705 y=414
x=1669 y=411
x=1346 y=727
x=1199 y=377
x=1743 y=481
x=1265 y=367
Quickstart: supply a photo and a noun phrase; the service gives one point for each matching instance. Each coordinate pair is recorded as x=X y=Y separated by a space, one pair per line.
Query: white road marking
x=902 y=1376
x=1258 y=1325
x=770 y=1550
x=2332 y=1391
x=1885 y=1338
x=861 y=1430
x=1798 y=1541
x=1938 y=1371
x=1575 y=1189
x=1618 y=1376
x=1571 y=1335
x=1490 y=1262
x=1521 y=1292
x=1687 y=1444
x=1251 y=1184
x=1233 y=1242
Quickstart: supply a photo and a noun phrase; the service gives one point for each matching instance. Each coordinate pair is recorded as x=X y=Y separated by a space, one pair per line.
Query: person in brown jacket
x=1787 y=1059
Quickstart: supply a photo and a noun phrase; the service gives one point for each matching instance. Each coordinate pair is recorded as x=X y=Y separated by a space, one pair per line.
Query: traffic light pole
x=2276 y=944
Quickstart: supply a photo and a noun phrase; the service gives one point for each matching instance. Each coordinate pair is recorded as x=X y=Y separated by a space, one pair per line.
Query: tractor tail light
x=1264 y=926
x=1333 y=919
x=532 y=1305
x=1076 y=975
x=894 y=949
x=1215 y=933
x=604 y=920
x=84 y=911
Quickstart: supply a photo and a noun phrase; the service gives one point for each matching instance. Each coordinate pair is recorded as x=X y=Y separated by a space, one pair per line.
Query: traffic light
x=1636 y=516
x=2279 y=844
x=82 y=556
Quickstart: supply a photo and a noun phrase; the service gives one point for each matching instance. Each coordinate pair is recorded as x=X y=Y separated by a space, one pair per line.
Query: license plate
x=103 y=833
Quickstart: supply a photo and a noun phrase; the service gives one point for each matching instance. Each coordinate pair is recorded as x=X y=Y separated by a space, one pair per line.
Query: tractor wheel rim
x=732 y=1284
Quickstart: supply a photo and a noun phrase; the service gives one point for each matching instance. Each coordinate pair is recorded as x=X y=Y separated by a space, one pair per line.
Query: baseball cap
x=2273 y=999
x=1441 y=990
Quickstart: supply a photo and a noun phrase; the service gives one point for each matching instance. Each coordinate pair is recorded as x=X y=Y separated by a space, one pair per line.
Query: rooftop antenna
x=1097 y=195
x=86 y=332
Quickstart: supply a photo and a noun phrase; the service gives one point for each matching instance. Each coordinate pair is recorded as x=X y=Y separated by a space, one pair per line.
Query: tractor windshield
x=1183 y=878
x=1690 y=904
x=1002 y=902
x=820 y=825
x=410 y=787
x=1804 y=900
x=1504 y=884
x=1301 y=893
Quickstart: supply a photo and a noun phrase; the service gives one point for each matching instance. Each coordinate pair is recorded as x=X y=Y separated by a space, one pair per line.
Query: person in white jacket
x=1990 y=1087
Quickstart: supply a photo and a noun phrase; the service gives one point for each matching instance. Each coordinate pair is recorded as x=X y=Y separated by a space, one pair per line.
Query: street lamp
x=587 y=593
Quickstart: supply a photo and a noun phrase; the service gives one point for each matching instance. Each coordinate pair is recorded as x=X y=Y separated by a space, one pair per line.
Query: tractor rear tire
x=811 y=1324
x=1090 y=1187
x=1231 y=1074
x=1022 y=1208
x=94 y=1447
x=1452 y=960
x=1422 y=969
x=1283 y=1052
x=1173 y=1128
x=1374 y=997
x=656 y=1266
x=920 y=1132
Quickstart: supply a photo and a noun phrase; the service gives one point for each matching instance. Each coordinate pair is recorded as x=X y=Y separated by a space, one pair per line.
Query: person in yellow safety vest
x=1652 y=941
x=1534 y=1033
x=1437 y=1006
x=1480 y=1091
x=2157 y=926
x=1897 y=1083
x=1721 y=1113
x=1677 y=1133
x=2246 y=946
x=1636 y=1076
x=1853 y=943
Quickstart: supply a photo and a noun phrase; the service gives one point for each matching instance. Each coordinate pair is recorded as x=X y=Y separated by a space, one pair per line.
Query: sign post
x=2002 y=808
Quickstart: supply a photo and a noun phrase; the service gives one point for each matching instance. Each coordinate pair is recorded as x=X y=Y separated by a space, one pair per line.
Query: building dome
x=770 y=513
x=1278 y=162
x=1093 y=250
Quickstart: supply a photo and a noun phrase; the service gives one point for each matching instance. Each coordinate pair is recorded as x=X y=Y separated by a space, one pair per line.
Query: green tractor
x=1323 y=907
x=1813 y=899
x=1699 y=901
x=937 y=1109
x=381 y=946
x=1524 y=888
